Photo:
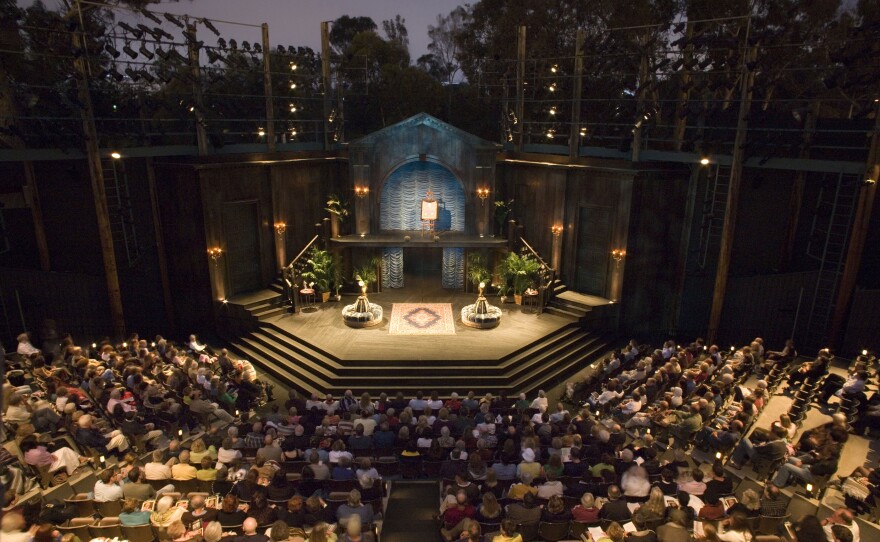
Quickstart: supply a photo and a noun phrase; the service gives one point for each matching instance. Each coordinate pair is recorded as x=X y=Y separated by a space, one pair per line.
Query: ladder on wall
x=121 y=213
x=714 y=207
x=829 y=235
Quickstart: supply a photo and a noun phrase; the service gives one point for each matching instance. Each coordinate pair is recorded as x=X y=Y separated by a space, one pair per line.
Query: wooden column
x=861 y=225
x=520 y=85
x=32 y=196
x=684 y=95
x=96 y=174
x=797 y=189
x=574 y=131
x=736 y=167
x=325 y=79
x=201 y=134
x=640 y=108
x=267 y=90
x=160 y=243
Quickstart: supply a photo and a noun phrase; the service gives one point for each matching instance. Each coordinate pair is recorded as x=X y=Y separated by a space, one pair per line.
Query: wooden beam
x=158 y=232
x=196 y=73
x=325 y=79
x=861 y=225
x=96 y=174
x=520 y=85
x=640 y=107
x=684 y=95
x=796 y=200
x=574 y=138
x=747 y=77
x=267 y=90
x=33 y=201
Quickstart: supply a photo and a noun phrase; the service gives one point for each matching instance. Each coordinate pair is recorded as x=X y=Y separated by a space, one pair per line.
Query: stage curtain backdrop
x=400 y=209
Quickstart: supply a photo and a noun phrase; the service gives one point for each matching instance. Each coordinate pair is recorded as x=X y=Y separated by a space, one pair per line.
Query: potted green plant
x=520 y=271
x=477 y=271
x=319 y=271
x=338 y=209
x=368 y=271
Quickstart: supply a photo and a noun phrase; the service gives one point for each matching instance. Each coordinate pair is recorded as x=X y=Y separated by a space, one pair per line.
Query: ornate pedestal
x=362 y=313
x=481 y=314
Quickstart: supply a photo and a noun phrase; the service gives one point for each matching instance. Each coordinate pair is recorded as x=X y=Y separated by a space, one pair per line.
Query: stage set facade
x=266 y=213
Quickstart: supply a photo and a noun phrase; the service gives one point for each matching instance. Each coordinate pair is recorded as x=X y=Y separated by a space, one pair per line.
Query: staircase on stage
x=316 y=352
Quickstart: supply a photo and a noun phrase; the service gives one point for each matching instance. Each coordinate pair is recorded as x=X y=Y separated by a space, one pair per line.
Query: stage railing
x=291 y=276
x=545 y=287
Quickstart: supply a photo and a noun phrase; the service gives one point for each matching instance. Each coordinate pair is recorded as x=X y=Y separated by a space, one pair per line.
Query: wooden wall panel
x=180 y=202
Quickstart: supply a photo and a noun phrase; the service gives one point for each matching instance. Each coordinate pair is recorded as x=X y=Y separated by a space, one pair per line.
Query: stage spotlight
x=144 y=51
x=112 y=50
x=261 y=132
x=149 y=15
x=173 y=20
x=129 y=51
x=115 y=155
x=210 y=27
x=704 y=161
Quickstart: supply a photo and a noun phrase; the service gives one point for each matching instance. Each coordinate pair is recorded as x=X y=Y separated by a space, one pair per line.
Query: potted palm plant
x=336 y=269
x=338 y=209
x=319 y=272
x=476 y=269
x=520 y=271
x=368 y=271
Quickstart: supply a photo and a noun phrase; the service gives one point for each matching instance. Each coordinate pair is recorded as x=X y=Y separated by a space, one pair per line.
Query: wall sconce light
x=361 y=191
x=618 y=254
x=557 y=230
x=280 y=228
x=215 y=254
x=482 y=193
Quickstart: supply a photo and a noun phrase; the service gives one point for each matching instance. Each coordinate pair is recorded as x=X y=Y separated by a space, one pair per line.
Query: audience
x=684 y=393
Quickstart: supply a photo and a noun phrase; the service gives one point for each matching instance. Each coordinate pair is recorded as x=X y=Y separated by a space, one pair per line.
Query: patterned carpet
x=422 y=319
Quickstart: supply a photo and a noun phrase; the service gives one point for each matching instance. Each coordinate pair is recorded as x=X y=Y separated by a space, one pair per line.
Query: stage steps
x=567 y=306
x=309 y=370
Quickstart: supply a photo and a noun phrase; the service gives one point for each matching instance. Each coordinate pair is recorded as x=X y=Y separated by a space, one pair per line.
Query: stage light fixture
x=556 y=230
x=704 y=161
x=869 y=182
x=361 y=191
x=553 y=110
x=292 y=85
x=482 y=193
x=94 y=345
x=293 y=108
x=115 y=155
x=280 y=228
x=617 y=255
x=293 y=66
x=864 y=352
x=552 y=87
x=261 y=132
x=554 y=68
x=225 y=301
x=550 y=133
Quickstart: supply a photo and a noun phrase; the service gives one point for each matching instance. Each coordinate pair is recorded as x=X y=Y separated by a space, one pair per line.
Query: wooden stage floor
x=324 y=328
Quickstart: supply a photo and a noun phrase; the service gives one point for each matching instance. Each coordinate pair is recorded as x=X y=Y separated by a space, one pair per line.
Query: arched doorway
x=400 y=208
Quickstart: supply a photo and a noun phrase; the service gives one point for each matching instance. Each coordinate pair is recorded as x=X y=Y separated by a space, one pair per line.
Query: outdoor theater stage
x=315 y=351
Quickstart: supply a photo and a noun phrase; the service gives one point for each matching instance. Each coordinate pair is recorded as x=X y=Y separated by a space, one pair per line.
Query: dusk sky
x=298 y=22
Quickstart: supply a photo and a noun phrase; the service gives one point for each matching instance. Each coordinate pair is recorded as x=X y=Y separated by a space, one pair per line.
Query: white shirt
x=540 y=403
x=227 y=456
x=107 y=492
x=26 y=349
x=157 y=471
x=854 y=528
x=369 y=425
x=195 y=346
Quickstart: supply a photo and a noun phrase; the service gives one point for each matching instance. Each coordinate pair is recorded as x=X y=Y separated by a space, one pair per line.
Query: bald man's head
x=249 y=526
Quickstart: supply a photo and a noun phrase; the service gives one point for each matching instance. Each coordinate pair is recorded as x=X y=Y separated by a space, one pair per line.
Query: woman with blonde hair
x=213 y=532
x=489 y=510
x=749 y=504
x=613 y=533
x=323 y=532
x=166 y=513
x=655 y=508
x=199 y=451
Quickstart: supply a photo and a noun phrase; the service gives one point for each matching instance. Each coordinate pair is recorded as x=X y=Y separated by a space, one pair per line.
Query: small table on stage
x=530 y=301
x=307 y=296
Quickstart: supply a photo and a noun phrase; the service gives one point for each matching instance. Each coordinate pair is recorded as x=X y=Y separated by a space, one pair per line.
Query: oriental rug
x=421 y=319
